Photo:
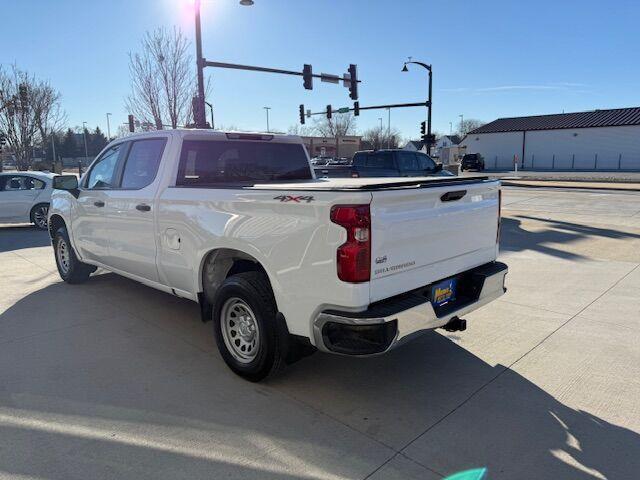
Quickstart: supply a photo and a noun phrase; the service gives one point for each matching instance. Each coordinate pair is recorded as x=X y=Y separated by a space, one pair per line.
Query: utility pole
x=380 y=118
x=267 y=110
x=450 y=128
x=461 y=124
x=108 y=128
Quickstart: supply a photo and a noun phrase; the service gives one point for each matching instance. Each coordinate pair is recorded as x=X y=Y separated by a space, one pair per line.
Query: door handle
x=453 y=196
x=99 y=203
x=143 y=207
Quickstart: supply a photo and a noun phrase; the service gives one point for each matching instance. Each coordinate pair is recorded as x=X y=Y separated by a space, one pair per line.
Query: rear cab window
x=210 y=163
x=142 y=163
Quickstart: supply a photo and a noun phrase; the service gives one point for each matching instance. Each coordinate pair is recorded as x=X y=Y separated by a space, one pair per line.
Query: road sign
x=329 y=78
x=343 y=110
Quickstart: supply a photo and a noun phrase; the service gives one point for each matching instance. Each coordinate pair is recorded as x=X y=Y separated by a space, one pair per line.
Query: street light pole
x=380 y=118
x=198 y=113
x=211 y=110
x=389 y=129
x=84 y=135
x=108 y=128
x=461 y=124
x=429 y=101
x=267 y=110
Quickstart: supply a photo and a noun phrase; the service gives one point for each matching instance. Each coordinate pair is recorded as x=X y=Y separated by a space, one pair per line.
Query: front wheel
x=245 y=326
x=39 y=216
x=71 y=269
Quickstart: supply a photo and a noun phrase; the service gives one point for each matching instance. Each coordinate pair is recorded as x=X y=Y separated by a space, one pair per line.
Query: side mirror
x=68 y=183
x=438 y=167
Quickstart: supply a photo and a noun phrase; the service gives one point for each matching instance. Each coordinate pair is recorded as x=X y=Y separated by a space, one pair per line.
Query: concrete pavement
x=111 y=379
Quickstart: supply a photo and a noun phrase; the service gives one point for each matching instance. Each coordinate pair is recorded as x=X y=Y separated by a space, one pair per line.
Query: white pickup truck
x=281 y=262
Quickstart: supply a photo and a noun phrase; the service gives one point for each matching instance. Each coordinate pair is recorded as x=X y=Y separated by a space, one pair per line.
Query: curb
x=601 y=186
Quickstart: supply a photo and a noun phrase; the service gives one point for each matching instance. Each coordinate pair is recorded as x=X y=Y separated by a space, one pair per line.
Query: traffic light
x=307 y=77
x=353 y=84
x=356 y=108
x=131 y=125
x=301 y=114
x=328 y=111
x=423 y=128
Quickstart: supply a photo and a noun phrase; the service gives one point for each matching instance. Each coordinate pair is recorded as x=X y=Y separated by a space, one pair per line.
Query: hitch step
x=455 y=325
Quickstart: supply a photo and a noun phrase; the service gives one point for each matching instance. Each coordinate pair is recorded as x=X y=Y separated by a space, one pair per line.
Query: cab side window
x=103 y=173
x=142 y=163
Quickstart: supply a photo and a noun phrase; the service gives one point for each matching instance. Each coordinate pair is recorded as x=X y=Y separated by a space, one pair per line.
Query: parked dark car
x=385 y=163
x=472 y=161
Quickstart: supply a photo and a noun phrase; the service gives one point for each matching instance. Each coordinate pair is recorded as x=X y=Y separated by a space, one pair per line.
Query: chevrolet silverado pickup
x=281 y=263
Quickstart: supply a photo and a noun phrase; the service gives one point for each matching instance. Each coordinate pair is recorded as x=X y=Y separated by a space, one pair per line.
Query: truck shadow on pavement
x=25 y=236
x=111 y=379
x=515 y=238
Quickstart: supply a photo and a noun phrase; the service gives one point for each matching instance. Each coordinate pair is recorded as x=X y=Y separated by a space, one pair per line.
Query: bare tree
x=381 y=137
x=29 y=112
x=340 y=125
x=466 y=126
x=162 y=79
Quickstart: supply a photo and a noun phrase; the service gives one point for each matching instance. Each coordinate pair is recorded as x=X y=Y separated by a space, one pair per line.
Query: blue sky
x=491 y=58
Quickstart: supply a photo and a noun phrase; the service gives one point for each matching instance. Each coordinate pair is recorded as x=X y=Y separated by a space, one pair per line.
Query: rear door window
x=382 y=160
x=407 y=161
x=20 y=182
x=216 y=162
x=142 y=163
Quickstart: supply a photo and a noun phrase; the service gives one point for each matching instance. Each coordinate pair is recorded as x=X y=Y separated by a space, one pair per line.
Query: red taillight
x=354 y=256
x=499 y=215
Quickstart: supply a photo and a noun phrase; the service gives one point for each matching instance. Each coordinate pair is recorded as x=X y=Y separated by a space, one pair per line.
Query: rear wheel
x=39 y=216
x=245 y=326
x=71 y=269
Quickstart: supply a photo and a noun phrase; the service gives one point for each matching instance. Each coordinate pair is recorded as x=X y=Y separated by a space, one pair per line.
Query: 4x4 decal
x=295 y=198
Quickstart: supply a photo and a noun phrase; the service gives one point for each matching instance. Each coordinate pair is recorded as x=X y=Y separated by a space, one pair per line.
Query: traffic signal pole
x=358 y=108
x=349 y=79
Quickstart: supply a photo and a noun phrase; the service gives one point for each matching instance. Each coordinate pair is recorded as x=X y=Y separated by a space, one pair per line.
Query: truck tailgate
x=421 y=235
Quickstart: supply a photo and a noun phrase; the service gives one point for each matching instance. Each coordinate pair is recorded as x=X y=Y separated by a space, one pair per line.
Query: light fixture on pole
x=198 y=103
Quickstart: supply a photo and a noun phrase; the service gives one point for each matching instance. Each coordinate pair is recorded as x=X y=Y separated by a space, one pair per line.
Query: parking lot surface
x=111 y=379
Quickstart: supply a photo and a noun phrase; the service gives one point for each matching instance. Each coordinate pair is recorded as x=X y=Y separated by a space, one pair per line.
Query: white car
x=282 y=263
x=25 y=197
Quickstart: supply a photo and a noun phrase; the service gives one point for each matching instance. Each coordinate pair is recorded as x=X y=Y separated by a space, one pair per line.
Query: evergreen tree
x=69 y=147
x=97 y=141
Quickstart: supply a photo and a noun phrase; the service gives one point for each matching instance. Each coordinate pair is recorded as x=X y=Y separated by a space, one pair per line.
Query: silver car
x=25 y=197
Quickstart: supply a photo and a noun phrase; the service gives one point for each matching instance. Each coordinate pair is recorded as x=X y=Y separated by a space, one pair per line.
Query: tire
x=39 y=214
x=245 y=326
x=71 y=269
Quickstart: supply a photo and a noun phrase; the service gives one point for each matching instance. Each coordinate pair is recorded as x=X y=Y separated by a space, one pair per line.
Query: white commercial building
x=594 y=140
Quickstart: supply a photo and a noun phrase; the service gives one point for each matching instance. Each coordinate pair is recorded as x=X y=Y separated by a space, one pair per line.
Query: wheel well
x=217 y=266
x=55 y=222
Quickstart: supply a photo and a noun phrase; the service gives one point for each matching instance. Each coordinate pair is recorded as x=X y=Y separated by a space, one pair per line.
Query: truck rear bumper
x=391 y=322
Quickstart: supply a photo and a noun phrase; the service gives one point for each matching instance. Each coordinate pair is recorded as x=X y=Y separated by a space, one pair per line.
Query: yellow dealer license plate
x=443 y=292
